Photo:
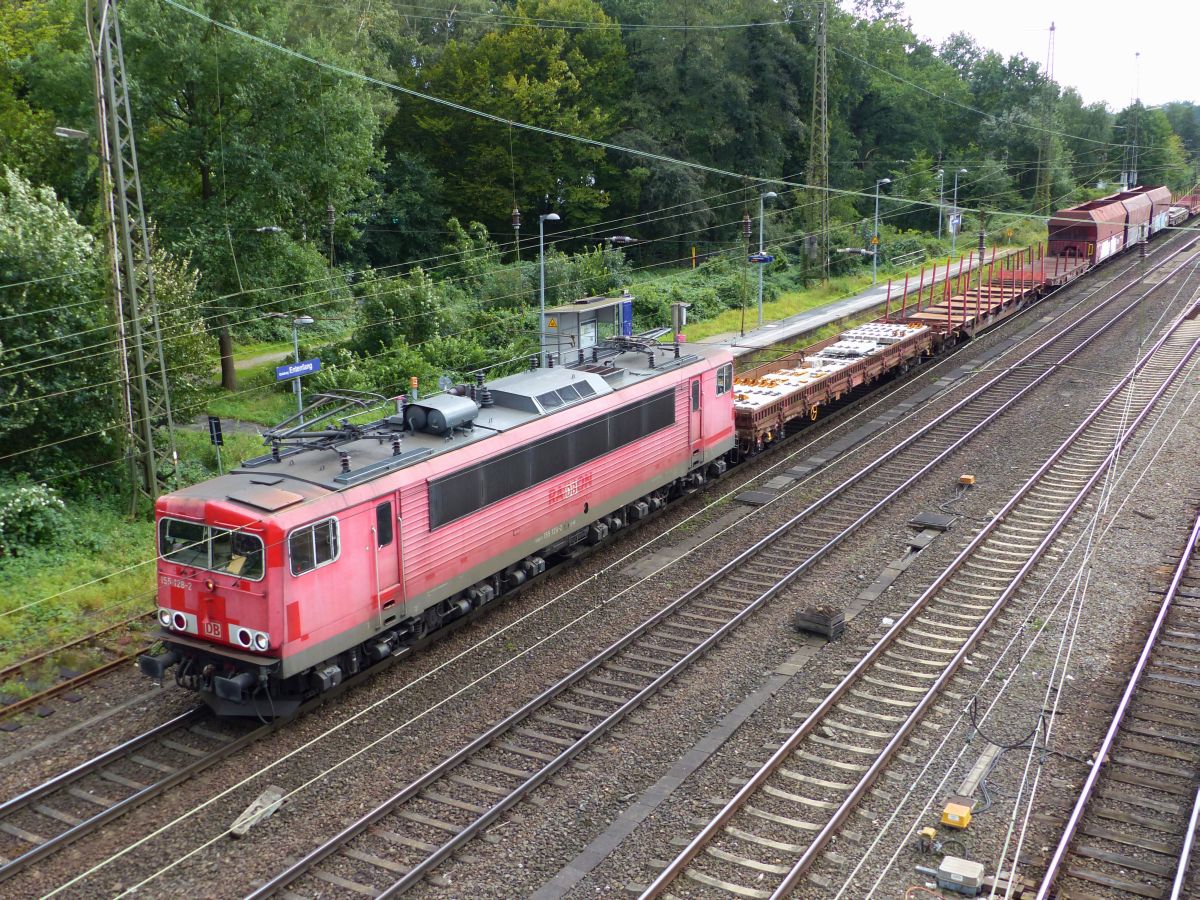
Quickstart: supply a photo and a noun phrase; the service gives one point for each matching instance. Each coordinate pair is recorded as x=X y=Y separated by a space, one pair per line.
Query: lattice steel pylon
x=817 y=175
x=145 y=392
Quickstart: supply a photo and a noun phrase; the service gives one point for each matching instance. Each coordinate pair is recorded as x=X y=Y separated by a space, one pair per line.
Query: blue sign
x=295 y=370
x=761 y=258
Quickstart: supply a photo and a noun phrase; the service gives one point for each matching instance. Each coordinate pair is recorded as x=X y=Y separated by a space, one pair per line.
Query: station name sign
x=295 y=370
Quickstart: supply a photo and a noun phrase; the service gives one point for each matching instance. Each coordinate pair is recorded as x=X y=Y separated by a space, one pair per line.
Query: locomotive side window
x=313 y=546
x=724 y=378
x=696 y=395
x=218 y=549
x=383 y=523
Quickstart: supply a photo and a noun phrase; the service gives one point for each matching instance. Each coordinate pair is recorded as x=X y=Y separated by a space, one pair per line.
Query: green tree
x=57 y=358
x=395 y=310
x=235 y=137
x=26 y=26
x=567 y=80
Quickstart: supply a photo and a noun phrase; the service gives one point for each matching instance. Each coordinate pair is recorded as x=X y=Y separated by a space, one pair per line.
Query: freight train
x=350 y=540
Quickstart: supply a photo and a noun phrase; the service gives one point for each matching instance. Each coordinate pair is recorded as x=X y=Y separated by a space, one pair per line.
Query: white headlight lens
x=164 y=617
x=262 y=641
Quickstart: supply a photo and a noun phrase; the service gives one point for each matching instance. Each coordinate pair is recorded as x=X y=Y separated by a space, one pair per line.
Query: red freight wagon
x=1139 y=209
x=1093 y=231
x=1160 y=200
x=306 y=565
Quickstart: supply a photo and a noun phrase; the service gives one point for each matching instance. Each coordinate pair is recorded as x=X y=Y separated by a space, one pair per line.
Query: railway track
x=104 y=649
x=763 y=840
x=69 y=806
x=1132 y=831
x=405 y=838
x=35 y=832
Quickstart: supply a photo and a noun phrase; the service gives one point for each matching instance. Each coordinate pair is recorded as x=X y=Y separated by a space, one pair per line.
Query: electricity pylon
x=145 y=393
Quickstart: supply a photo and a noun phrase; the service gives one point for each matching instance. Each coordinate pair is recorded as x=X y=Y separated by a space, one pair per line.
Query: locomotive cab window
x=696 y=395
x=185 y=543
x=383 y=524
x=205 y=547
x=724 y=379
x=236 y=553
x=313 y=546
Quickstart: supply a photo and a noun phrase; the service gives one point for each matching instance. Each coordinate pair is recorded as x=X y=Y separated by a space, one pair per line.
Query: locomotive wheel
x=428 y=621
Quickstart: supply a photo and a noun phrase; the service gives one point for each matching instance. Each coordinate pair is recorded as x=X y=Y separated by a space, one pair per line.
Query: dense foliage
x=278 y=186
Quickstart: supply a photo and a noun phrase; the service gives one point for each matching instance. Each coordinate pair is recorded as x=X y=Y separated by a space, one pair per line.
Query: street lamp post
x=542 y=220
x=768 y=195
x=954 y=231
x=875 y=238
x=941 y=199
x=296 y=324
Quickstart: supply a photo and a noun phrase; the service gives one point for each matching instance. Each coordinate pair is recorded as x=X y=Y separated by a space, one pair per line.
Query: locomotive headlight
x=261 y=641
x=164 y=618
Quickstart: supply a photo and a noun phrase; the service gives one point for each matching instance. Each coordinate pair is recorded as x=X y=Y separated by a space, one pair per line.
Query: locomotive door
x=694 y=430
x=385 y=546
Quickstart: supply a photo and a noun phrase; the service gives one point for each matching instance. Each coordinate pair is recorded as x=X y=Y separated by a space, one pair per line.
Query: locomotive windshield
x=205 y=547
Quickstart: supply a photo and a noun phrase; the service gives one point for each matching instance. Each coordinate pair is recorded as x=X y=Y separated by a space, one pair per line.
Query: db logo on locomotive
x=570 y=489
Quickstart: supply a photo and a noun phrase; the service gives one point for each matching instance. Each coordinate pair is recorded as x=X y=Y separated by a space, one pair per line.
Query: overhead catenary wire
x=849 y=422
x=42 y=600
x=390 y=320
x=1066 y=562
x=185 y=329
x=1034 y=611
x=341 y=280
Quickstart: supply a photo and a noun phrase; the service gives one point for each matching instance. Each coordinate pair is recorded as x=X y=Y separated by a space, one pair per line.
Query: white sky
x=1094 y=41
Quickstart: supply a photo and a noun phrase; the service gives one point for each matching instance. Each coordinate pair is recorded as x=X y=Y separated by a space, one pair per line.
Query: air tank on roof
x=440 y=414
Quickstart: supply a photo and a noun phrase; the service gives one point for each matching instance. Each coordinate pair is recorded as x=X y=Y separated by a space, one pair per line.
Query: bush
x=31 y=515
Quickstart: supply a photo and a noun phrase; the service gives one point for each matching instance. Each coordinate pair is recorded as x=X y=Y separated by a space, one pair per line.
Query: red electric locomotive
x=349 y=541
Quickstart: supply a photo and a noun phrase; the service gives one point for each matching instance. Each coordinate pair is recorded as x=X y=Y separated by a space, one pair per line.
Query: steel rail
x=198 y=713
x=412 y=790
x=13 y=668
x=75 y=680
x=868 y=779
x=1185 y=851
x=1110 y=736
x=49 y=846
x=89 y=825
x=718 y=822
x=132 y=745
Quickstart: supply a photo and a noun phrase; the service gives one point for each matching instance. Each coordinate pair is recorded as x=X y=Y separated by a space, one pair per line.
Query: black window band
x=461 y=493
